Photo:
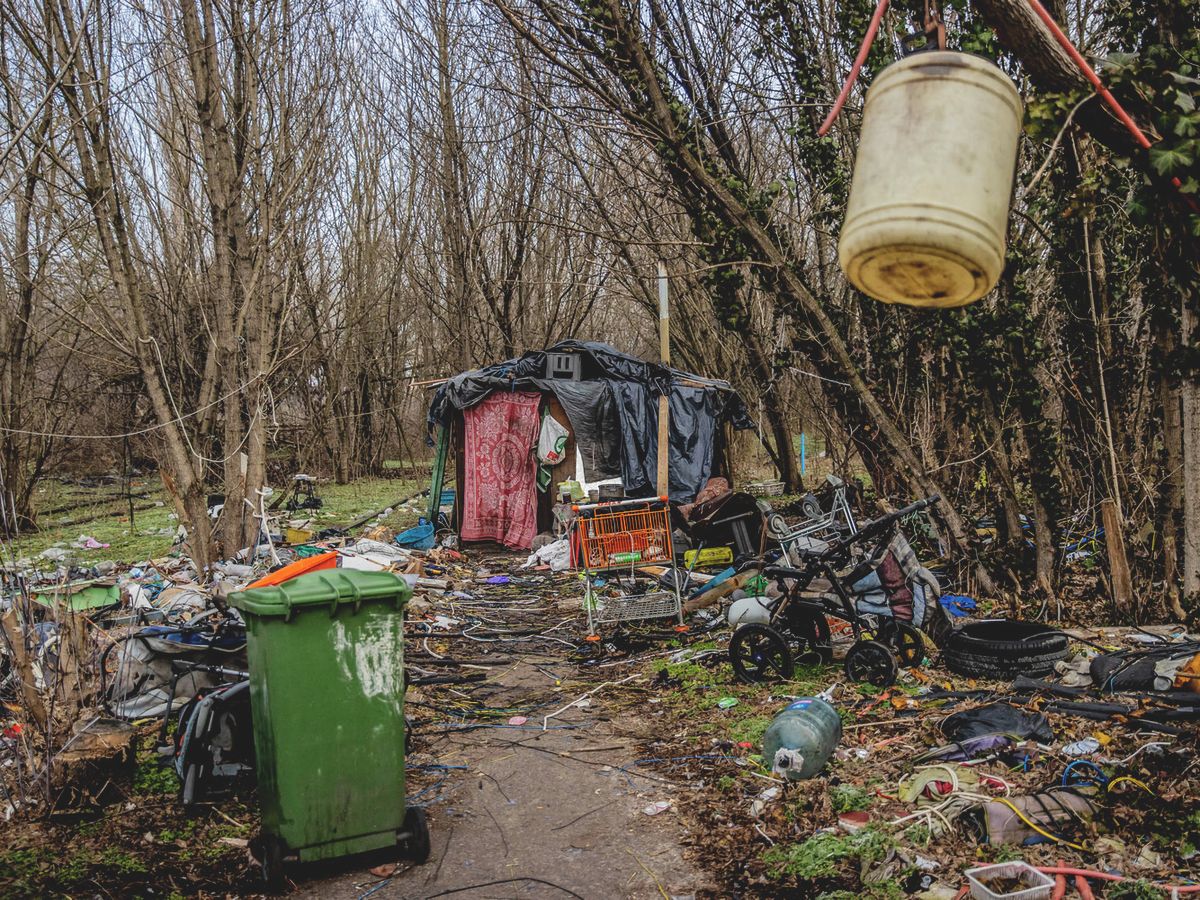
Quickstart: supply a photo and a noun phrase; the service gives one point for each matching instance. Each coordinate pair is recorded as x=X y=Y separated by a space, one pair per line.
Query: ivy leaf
x=1168 y=160
x=1116 y=60
x=1185 y=101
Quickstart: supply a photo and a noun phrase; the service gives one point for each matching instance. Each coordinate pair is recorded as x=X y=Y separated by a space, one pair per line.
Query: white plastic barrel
x=928 y=209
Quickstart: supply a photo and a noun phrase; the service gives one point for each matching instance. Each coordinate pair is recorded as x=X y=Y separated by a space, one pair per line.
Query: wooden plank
x=1120 y=579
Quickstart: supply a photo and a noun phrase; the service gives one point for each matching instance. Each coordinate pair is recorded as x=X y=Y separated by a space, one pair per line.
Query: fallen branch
x=582 y=697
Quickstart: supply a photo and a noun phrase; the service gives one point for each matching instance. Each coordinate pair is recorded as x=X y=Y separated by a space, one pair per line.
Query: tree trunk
x=1170 y=499
x=1189 y=392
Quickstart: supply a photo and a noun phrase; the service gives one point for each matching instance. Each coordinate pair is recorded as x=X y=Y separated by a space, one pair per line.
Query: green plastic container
x=326 y=659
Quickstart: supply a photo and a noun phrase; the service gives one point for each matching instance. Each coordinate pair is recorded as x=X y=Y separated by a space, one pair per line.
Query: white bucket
x=928 y=209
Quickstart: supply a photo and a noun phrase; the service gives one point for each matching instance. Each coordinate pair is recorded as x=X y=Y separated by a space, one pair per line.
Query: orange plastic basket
x=621 y=535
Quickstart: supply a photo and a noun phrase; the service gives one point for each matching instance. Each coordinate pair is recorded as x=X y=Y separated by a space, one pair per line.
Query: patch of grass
x=883 y=890
x=690 y=675
x=808 y=680
x=184 y=833
x=75 y=869
x=151 y=534
x=123 y=861
x=1138 y=889
x=23 y=863
x=918 y=834
x=848 y=798
x=750 y=730
x=1134 y=890
x=1002 y=853
x=90 y=829
x=822 y=855
x=152 y=777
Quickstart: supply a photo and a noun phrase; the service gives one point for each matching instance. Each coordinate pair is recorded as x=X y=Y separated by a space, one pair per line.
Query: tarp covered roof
x=613 y=410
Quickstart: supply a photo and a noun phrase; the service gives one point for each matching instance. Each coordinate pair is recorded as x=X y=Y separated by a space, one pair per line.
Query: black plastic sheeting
x=614 y=413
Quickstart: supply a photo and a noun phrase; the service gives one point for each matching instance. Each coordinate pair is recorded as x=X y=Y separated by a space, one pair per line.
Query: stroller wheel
x=759 y=652
x=909 y=645
x=811 y=637
x=871 y=662
x=905 y=641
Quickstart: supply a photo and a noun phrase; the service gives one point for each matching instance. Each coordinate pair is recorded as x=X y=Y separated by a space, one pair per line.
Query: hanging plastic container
x=928 y=209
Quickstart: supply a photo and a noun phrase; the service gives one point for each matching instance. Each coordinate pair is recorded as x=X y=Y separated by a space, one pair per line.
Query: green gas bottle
x=800 y=740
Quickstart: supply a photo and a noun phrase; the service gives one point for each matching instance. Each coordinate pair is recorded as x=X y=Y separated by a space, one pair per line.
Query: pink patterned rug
x=500 y=502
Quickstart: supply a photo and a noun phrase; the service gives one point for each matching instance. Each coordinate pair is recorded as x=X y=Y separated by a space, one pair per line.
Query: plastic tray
x=1038 y=885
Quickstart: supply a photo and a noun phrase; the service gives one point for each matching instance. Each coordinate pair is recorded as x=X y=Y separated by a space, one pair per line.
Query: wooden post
x=1118 y=564
x=664 y=352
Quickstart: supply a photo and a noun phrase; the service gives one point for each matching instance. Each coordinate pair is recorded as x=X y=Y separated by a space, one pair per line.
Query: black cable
x=484 y=884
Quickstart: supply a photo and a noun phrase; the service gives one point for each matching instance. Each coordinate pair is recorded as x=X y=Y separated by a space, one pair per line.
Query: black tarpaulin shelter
x=610 y=402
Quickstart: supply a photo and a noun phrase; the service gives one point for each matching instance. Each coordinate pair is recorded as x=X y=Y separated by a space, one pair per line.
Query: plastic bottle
x=800 y=740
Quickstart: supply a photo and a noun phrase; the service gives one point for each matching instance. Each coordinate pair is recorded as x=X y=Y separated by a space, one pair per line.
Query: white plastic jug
x=928 y=209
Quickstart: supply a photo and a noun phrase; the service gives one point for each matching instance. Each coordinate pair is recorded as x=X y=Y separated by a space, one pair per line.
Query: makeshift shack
x=579 y=409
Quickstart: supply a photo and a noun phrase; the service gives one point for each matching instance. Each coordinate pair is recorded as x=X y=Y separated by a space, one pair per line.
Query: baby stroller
x=884 y=598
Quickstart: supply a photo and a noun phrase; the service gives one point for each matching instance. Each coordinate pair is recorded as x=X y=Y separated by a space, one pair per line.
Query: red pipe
x=863 y=50
x=1085 y=890
x=1090 y=74
x=1105 y=876
x=1060 y=886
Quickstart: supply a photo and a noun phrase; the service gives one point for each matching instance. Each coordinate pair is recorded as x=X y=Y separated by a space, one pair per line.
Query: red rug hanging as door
x=500 y=501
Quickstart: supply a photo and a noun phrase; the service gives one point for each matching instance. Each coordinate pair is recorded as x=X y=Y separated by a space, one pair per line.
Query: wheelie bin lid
x=330 y=588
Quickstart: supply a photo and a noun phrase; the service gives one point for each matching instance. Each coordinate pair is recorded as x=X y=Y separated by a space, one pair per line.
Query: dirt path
x=536 y=806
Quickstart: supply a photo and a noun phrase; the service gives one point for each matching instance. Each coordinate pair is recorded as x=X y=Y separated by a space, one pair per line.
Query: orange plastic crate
x=621 y=537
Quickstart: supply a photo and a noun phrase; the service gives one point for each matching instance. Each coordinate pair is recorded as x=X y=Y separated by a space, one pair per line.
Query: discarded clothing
x=500 y=500
x=1053 y=811
x=997 y=718
x=1158 y=669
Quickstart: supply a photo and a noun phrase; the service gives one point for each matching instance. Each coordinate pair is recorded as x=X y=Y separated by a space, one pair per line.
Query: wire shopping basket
x=621 y=537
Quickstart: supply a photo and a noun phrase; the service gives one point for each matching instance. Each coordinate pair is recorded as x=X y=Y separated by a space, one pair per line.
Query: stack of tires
x=1004 y=648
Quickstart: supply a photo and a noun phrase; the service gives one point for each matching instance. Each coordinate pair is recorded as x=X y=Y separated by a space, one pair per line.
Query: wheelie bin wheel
x=415 y=841
x=269 y=851
x=871 y=662
x=759 y=652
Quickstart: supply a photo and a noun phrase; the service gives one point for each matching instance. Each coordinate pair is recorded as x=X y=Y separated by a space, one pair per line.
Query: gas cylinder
x=800 y=740
x=928 y=209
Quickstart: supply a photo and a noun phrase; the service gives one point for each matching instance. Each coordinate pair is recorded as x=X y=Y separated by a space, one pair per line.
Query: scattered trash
x=1009 y=881
x=769 y=795
x=658 y=806
x=727 y=702
x=1084 y=747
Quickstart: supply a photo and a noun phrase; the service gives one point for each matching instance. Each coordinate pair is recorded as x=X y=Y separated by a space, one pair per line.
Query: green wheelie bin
x=327 y=694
